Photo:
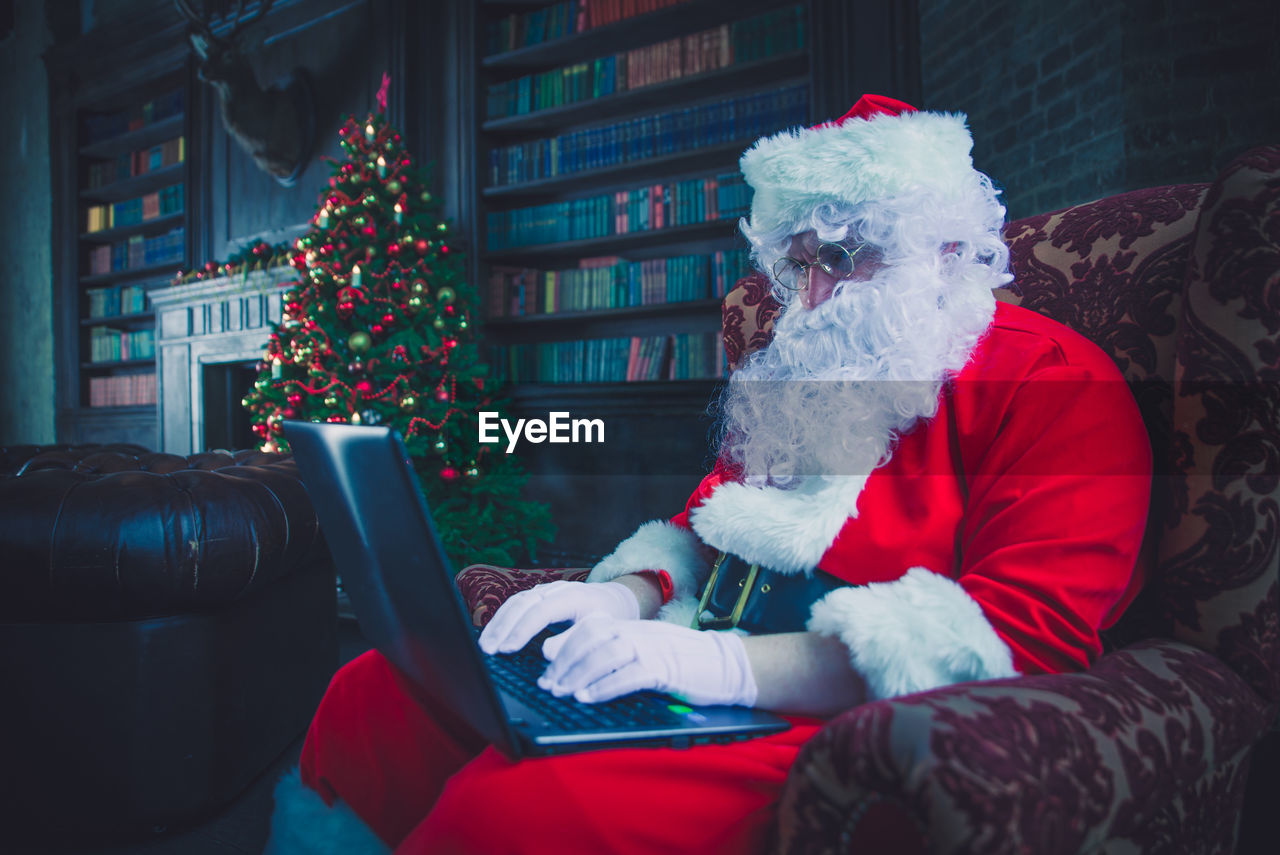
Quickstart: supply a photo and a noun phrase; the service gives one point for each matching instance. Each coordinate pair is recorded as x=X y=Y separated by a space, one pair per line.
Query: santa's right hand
x=527 y=613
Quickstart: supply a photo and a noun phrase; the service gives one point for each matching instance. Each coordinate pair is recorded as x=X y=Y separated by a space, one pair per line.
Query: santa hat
x=882 y=148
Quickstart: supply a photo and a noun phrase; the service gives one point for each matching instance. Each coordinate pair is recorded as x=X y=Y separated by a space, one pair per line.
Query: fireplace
x=209 y=336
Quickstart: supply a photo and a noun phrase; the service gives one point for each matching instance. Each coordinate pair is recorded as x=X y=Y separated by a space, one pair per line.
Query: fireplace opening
x=226 y=422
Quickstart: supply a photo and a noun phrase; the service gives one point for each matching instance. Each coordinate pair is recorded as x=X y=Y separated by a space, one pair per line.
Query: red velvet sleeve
x=1057 y=506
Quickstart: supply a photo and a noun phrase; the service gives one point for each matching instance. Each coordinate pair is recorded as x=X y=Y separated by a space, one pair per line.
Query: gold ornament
x=442 y=227
x=262 y=384
x=394 y=187
x=418 y=286
x=406 y=239
x=425 y=196
x=415 y=303
x=408 y=403
x=447 y=295
x=471 y=472
x=438 y=323
x=340 y=211
x=462 y=324
x=439 y=446
x=331 y=401
x=369 y=199
x=359 y=220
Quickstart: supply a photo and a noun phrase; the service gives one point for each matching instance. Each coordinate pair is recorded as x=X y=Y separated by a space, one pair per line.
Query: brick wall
x=1071 y=100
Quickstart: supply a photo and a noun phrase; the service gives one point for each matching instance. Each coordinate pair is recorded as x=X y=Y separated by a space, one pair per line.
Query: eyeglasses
x=832 y=258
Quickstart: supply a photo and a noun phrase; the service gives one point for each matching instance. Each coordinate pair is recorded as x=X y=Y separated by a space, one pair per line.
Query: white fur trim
x=864 y=159
x=658 y=545
x=302 y=824
x=785 y=530
x=679 y=611
x=915 y=633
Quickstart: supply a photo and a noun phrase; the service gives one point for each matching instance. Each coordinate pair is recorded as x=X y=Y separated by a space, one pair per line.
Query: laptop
x=400 y=581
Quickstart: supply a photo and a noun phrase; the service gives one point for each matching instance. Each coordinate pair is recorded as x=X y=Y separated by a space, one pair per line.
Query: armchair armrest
x=484 y=587
x=1149 y=747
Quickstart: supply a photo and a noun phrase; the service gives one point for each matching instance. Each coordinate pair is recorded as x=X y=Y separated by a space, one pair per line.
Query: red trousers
x=424 y=784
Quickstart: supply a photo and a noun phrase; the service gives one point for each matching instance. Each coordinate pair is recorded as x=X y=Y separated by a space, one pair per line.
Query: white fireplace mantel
x=210 y=322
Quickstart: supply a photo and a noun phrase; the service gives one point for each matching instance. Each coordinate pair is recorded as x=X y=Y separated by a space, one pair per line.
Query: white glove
x=600 y=658
x=527 y=613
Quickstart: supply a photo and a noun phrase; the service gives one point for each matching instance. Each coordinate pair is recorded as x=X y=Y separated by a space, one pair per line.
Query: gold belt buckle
x=739 y=605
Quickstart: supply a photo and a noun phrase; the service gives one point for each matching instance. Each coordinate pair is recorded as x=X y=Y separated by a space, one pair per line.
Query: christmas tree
x=380 y=331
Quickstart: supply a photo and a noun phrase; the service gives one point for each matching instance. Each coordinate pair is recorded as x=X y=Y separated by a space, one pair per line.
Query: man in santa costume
x=946 y=489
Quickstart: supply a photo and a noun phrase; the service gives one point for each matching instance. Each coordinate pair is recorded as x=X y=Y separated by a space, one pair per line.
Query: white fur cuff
x=658 y=545
x=915 y=633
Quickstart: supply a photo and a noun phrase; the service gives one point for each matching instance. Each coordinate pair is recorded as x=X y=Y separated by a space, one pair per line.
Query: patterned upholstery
x=1149 y=750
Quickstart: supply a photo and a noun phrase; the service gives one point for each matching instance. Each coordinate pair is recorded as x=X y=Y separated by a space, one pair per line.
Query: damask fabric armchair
x=1150 y=749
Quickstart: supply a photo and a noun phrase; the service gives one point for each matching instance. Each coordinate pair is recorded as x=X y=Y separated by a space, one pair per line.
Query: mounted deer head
x=276 y=125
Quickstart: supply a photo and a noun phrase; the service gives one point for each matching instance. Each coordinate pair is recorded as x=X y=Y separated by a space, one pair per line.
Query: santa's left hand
x=601 y=658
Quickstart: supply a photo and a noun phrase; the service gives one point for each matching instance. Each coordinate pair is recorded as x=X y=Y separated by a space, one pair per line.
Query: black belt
x=759 y=600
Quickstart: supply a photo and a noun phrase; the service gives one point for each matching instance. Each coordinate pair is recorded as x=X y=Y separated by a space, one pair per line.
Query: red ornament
x=376 y=329
x=422 y=245
x=294 y=399
x=450 y=343
x=396 y=285
x=442 y=394
x=448 y=310
x=211 y=267
x=289 y=413
x=336 y=419
x=444 y=249
x=393 y=248
x=388 y=319
x=448 y=474
x=364 y=387
x=369 y=231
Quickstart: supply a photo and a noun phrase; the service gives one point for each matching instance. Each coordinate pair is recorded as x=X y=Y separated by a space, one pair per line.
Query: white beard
x=839 y=383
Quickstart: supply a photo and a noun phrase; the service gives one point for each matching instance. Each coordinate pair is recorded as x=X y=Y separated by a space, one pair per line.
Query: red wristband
x=663 y=578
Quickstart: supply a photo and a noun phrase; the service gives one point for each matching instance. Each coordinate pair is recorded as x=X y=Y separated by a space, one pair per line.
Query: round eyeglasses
x=832 y=258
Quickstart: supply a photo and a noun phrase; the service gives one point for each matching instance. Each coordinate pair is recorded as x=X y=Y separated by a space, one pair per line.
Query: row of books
x=612 y=283
x=116 y=300
x=122 y=390
x=778 y=32
x=738 y=119
x=107 y=344
x=659 y=206
x=138 y=162
x=524 y=29
x=688 y=356
x=138 y=251
x=131 y=212
x=102 y=126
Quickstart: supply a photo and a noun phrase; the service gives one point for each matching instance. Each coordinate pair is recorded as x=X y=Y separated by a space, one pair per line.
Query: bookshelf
x=131 y=161
x=608 y=134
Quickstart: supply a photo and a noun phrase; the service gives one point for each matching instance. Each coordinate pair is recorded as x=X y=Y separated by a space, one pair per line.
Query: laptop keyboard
x=517 y=674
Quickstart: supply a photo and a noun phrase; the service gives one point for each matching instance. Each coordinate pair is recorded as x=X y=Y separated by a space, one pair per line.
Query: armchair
x=1149 y=750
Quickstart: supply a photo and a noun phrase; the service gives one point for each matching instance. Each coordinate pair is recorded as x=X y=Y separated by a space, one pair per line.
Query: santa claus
x=916 y=486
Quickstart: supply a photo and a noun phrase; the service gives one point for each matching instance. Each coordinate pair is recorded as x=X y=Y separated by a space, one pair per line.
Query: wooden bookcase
x=658 y=430
x=667 y=97
x=120 y=134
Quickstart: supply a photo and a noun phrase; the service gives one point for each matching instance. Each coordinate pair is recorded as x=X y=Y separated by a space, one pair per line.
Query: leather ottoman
x=167 y=627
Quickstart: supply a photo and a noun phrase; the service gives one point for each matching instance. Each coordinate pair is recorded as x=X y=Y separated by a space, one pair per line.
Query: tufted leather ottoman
x=167 y=627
